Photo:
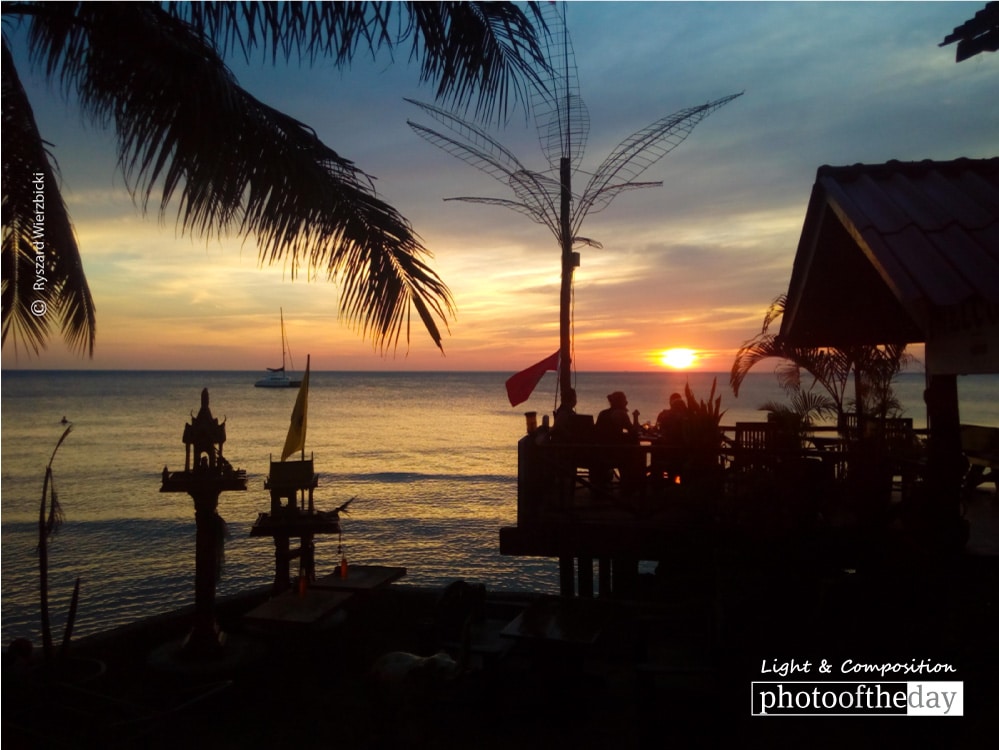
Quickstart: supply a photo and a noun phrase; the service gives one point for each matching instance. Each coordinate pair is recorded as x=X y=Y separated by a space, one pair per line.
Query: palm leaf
x=190 y=137
x=480 y=54
x=49 y=519
x=749 y=355
x=43 y=278
x=255 y=171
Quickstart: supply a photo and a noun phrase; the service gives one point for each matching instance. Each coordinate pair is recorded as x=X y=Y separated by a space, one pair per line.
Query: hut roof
x=900 y=252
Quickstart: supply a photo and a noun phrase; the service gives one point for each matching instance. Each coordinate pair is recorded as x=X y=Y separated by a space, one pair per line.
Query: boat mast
x=282 y=339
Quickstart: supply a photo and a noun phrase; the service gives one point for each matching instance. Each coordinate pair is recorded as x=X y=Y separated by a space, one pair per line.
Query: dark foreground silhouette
x=671 y=667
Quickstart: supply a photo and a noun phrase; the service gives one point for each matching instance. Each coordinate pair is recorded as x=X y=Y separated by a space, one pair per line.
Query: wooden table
x=291 y=610
x=359 y=578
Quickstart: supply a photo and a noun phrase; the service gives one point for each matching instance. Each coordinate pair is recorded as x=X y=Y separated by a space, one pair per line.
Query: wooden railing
x=563 y=475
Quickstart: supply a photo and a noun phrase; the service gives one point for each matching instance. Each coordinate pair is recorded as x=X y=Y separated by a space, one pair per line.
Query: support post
x=946 y=462
x=205 y=638
x=568 y=267
x=585 y=576
x=567 y=585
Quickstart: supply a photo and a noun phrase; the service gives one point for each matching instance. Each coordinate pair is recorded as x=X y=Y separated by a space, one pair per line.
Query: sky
x=693 y=264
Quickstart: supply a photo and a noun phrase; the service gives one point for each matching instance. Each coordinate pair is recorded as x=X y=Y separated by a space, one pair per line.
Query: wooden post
x=530 y=480
x=567 y=585
x=946 y=461
x=205 y=638
x=568 y=267
x=282 y=562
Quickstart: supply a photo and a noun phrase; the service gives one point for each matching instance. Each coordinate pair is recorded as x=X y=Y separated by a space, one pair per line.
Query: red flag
x=520 y=386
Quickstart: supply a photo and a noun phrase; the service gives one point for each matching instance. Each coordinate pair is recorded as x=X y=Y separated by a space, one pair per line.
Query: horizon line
x=664 y=371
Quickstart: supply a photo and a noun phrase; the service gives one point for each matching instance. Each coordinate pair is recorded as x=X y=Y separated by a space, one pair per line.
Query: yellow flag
x=296 y=431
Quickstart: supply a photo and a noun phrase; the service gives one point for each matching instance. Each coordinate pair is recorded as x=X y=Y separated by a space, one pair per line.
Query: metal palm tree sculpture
x=563 y=126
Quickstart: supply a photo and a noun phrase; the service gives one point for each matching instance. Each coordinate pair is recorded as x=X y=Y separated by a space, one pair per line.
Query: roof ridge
x=895 y=166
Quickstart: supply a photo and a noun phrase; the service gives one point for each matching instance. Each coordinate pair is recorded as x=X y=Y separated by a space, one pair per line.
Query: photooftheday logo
x=858 y=698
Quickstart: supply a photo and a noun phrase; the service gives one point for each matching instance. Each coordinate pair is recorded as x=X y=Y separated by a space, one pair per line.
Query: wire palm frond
x=637 y=153
x=538 y=193
x=474 y=138
x=563 y=126
x=561 y=117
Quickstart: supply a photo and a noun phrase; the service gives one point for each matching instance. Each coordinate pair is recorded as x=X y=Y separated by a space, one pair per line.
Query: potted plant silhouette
x=701 y=478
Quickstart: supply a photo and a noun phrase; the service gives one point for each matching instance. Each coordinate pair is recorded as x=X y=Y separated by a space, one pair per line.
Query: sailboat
x=276 y=376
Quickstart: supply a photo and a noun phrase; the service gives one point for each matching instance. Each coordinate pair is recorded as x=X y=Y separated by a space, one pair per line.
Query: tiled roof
x=932 y=226
x=887 y=248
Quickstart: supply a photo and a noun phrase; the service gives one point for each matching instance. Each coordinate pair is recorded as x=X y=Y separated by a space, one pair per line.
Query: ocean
x=430 y=459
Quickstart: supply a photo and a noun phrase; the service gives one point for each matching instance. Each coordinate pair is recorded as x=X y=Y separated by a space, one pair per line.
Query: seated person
x=565 y=418
x=615 y=427
x=668 y=460
x=672 y=422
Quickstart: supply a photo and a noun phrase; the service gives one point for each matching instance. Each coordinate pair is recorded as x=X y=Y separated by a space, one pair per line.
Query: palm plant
x=878 y=366
x=703 y=420
x=49 y=520
x=563 y=126
x=873 y=368
x=189 y=137
x=795 y=417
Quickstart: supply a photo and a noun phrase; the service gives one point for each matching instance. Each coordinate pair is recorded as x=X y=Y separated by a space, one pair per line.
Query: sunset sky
x=693 y=264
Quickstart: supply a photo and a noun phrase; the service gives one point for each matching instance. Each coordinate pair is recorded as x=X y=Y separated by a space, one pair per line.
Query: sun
x=678 y=359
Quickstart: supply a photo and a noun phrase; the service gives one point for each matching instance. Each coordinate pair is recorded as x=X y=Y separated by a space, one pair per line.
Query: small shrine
x=206 y=475
x=293 y=512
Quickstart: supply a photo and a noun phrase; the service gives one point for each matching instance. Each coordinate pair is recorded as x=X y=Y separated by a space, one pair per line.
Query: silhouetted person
x=614 y=425
x=565 y=417
x=615 y=428
x=672 y=422
x=573 y=434
x=670 y=453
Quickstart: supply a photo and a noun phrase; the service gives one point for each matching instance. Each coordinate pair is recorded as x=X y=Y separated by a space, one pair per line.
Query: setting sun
x=679 y=359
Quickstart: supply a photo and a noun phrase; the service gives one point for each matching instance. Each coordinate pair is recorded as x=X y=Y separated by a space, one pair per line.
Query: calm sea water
x=430 y=457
